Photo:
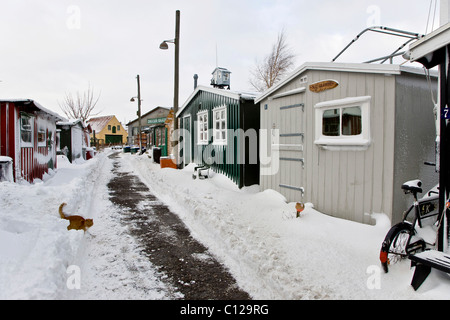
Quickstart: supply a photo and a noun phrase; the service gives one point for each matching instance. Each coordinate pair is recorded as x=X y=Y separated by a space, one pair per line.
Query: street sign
x=156 y=121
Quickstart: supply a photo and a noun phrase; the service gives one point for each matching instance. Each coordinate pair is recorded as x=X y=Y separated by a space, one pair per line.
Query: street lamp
x=139 y=110
x=164 y=46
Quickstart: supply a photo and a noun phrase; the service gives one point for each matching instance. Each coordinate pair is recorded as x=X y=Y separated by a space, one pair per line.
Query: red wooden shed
x=28 y=136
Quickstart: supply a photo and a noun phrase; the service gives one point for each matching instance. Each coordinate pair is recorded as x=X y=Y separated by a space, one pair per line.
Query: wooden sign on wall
x=323 y=85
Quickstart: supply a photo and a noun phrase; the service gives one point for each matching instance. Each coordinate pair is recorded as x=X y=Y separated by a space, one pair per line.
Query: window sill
x=350 y=144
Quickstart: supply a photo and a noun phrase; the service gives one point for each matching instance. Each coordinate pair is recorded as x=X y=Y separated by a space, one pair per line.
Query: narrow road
x=167 y=242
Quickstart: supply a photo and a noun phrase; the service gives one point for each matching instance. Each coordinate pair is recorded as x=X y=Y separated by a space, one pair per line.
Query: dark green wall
x=241 y=114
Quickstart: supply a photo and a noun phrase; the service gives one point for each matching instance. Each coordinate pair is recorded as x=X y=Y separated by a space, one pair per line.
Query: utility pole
x=139 y=112
x=164 y=46
x=176 y=84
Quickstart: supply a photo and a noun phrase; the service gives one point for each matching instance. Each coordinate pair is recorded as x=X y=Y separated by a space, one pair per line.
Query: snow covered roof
x=74 y=122
x=227 y=93
x=425 y=49
x=391 y=69
x=222 y=69
x=69 y=122
x=97 y=124
x=37 y=105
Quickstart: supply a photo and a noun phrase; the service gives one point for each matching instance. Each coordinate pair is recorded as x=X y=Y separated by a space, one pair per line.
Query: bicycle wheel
x=396 y=245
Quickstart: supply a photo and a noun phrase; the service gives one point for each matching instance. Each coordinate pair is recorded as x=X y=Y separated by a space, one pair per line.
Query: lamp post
x=164 y=46
x=139 y=111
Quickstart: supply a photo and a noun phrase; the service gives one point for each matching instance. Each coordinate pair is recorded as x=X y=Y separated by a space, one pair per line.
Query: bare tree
x=280 y=61
x=81 y=106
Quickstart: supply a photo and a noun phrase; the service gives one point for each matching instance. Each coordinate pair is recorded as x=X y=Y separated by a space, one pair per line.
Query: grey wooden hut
x=220 y=129
x=346 y=136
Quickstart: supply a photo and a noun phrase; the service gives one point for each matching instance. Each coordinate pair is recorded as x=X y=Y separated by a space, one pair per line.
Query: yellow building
x=108 y=131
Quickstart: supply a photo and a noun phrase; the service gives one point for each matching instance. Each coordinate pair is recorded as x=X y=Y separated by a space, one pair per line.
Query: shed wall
x=345 y=184
x=223 y=158
x=33 y=160
x=414 y=138
x=156 y=113
x=7 y=129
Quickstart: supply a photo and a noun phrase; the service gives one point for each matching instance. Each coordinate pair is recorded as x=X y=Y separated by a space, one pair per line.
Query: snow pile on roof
x=234 y=94
x=70 y=122
x=37 y=105
x=98 y=123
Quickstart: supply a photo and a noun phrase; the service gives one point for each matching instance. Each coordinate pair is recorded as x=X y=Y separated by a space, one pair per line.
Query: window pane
x=331 y=126
x=202 y=128
x=351 y=121
x=26 y=136
x=26 y=123
x=41 y=136
x=25 y=130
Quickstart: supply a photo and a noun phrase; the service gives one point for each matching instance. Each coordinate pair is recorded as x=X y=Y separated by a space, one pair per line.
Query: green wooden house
x=220 y=128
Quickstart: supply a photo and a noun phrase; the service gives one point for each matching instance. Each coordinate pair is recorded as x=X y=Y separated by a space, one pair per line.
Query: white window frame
x=220 y=134
x=202 y=134
x=31 y=130
x=355 y=142
x=44 y=142
x=41 y=131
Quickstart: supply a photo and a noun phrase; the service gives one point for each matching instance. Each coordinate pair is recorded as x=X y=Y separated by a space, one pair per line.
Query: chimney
x=195 y=81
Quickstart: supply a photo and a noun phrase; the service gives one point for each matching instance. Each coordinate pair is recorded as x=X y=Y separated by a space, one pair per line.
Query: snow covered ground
x=255 y=234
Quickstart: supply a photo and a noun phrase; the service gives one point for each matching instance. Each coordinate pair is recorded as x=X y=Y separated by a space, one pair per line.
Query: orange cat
x=76 y=222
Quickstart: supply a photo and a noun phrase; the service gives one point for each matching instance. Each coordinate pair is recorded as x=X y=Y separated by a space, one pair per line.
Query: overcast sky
x=52 y=47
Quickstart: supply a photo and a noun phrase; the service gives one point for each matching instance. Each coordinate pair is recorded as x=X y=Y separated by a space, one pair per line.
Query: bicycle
x=414 y=235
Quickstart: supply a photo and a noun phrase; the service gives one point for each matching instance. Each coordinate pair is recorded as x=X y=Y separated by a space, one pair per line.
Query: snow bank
x=35 y=246
x=274 y=255
x=271 y=253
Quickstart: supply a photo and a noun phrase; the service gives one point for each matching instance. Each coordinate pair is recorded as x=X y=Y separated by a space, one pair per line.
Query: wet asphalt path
x=167 y=242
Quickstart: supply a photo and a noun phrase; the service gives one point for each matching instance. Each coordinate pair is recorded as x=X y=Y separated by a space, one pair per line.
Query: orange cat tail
x=61 y=213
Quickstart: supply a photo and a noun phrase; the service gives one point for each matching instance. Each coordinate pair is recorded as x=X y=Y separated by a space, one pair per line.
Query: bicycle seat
x=414 y=186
